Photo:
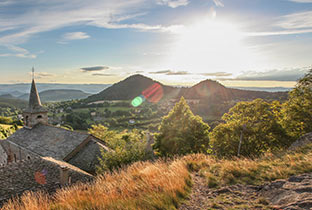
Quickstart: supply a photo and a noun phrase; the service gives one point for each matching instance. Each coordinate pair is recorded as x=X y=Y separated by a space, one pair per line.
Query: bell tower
x=35 y=113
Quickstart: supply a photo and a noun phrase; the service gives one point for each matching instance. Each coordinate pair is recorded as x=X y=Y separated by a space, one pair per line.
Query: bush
x=127 y=147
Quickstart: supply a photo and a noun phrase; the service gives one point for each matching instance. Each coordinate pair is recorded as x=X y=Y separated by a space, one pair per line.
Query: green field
x=8 y=126
x=5 y=126
x=102 y=109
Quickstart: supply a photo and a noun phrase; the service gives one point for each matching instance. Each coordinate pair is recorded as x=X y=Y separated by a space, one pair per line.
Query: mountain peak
x=210 y=82
x=126 y=89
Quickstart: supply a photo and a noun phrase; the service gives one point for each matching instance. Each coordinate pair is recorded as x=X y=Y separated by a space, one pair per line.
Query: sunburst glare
x=211 y=44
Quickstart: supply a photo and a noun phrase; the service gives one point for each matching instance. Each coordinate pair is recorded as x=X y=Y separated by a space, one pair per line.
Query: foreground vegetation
x=164 y=185
x=143 y=185
x=269 y=167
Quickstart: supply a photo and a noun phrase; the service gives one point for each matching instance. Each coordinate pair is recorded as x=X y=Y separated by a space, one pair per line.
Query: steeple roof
x=34 y=105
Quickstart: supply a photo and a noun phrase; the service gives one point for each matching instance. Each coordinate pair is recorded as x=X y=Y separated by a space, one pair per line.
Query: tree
x=297 y=111
x=126 y=147
x=181 y=132
x=256 y=122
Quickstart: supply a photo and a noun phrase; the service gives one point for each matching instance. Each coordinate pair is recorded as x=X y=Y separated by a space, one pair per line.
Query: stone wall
x=3 y=157
x=37 y=174
x=16 y=153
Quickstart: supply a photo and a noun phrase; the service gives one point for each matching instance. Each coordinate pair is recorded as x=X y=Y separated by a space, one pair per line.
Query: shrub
x=126 y=147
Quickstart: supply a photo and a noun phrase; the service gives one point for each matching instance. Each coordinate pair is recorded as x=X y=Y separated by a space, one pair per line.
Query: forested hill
x=58 y=95
x=135 y=85
x=132 y=87
x=209 y=89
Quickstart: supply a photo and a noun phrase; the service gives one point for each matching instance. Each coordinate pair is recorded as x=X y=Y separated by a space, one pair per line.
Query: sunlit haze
x=178 y=42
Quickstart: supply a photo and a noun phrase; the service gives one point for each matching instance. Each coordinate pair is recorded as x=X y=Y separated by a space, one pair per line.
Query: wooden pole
x=240 y=143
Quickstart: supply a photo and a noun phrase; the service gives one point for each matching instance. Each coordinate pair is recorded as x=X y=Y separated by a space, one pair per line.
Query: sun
x=209 y=45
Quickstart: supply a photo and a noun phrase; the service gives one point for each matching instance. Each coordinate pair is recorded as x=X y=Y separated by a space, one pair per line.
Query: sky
x=259 y=43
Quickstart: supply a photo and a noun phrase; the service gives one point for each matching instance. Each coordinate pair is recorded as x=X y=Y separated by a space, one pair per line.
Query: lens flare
x=137 y=101
x=153 y=94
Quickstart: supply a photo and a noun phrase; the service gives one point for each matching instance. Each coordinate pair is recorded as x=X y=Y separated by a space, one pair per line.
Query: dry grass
x=162 y=185
x=143 y=185
x=246 y=171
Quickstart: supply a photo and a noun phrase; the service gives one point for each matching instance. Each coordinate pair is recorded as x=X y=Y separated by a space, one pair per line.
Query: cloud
x=173 y=3
x=178 y=73
x=40 y=75
x=75 y=36
x=19 y=55
x=300 y=20
x=38 y=16
x=169 y=72
x=16 y=51
x=274 y=75
x=217 y=74
x=44 y=74
x=161 y=72
x=295 y=23
x=103 y=75
x=302 y=1
x=94 y=68
x=218 y=3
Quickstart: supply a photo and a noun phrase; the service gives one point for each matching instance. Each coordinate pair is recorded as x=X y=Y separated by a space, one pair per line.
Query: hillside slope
x=13 y=103
x=130 y=88
x=59 y=95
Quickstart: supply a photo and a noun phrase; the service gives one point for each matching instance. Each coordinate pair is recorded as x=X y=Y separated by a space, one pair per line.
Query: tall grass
x=143 y=185
x=221 y=172
x=162 y=185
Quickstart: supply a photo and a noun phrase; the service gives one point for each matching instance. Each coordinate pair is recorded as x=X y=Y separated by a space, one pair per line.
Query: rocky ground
x=294 y=193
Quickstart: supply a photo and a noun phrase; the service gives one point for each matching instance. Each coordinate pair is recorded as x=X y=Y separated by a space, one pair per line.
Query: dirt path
x=294 y=193
x=233 y=197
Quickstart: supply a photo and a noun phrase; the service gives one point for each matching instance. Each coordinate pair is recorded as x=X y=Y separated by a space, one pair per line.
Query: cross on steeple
x=33 y=73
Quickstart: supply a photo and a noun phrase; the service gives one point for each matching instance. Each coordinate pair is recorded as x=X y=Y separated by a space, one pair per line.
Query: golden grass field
x=164 y=185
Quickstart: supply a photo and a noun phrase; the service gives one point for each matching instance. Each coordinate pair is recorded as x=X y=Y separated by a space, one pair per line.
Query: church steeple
x=35 y=113
x=34 y=104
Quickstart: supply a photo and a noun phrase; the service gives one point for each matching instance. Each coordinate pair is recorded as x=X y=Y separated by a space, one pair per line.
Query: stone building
x=3 y=157
x=38 y=174
x=39 y=139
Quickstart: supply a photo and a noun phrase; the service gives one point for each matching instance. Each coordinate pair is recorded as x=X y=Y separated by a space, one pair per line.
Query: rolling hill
x=13 y=103
x=130 y=88
x=58 y=95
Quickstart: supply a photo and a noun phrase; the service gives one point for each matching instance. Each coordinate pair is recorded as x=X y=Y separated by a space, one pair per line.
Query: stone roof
x=39 y=173
x=48 y=141
x=34 y=105
x=88 y=157
x=302 y=141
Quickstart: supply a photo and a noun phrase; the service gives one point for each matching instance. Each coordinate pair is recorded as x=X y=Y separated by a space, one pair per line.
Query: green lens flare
x=137 y=101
